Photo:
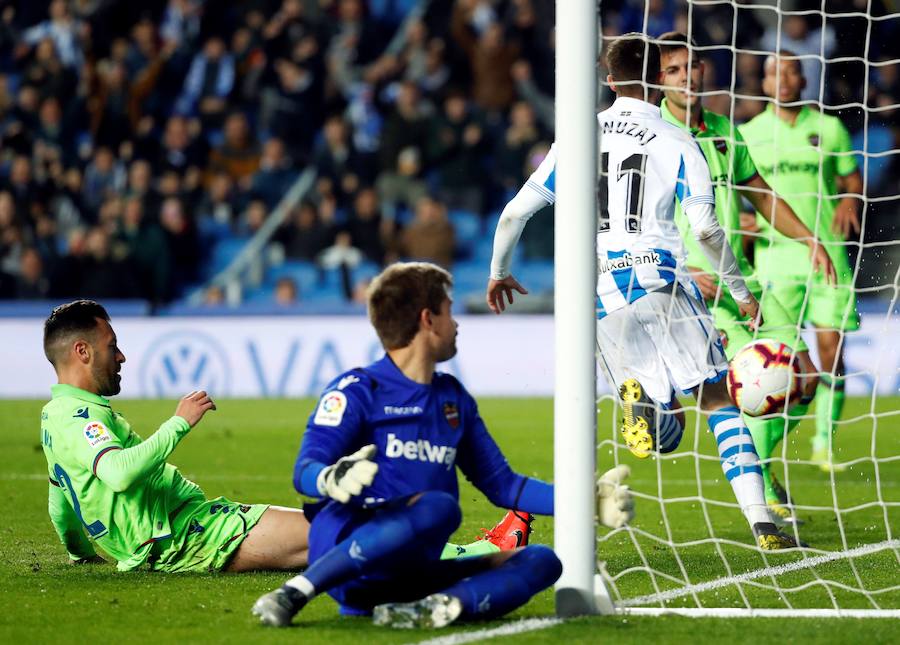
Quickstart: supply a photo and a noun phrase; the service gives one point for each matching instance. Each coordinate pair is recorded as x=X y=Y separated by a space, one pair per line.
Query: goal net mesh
x=689 y=545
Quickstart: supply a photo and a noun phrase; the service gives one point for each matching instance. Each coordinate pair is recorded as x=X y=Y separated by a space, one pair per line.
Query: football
x=762 y=376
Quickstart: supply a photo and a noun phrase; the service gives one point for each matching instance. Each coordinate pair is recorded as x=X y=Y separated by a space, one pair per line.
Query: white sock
x=301 y=584
x=740 y=463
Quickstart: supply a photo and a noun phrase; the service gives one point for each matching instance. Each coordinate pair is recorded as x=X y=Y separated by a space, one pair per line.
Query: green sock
x=766 y=434
x=479 y=547
x=829 y=406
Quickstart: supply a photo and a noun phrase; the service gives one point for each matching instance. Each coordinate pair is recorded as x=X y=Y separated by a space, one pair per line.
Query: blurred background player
x=807 y=157
x=381 y=449
x=654 y=332
x=734 y=175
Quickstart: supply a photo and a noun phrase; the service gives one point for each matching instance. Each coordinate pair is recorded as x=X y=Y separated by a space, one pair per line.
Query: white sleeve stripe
x=541 y=190
x=698 y=199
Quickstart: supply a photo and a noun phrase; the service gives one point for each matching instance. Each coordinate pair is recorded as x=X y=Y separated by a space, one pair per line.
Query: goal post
x=689 y=551
x=575 y=417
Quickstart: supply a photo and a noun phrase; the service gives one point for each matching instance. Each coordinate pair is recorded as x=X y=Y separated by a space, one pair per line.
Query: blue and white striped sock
x=740 y=463
x=668 y=428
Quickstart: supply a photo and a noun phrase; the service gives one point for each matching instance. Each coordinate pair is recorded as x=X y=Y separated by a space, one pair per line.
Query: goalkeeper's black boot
x=638 y=418
x=278 y=608
x=769 y=538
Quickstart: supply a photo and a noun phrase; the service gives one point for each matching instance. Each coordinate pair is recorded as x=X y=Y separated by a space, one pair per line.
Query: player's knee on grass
x=539 y=565
x=435 y=513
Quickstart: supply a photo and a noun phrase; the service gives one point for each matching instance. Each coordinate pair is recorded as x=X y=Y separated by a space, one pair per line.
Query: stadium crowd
x=135 y=135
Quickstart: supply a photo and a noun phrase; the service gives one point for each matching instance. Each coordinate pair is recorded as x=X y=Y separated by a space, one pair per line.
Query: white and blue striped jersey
x=645 y=164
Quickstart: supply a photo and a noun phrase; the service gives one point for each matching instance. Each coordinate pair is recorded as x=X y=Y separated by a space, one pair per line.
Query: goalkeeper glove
x=348 y=475
x=615 y=506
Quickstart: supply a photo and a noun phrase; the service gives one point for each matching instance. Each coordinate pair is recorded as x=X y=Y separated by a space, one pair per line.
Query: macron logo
x=421 y=450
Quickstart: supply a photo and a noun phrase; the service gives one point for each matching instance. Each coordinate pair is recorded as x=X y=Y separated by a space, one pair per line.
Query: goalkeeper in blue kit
x=381 y=450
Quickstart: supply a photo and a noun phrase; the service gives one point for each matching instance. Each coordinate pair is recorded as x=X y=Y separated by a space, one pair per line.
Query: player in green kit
x=109 y=485
x=734 y=174
x=806 y=156
x=110 y=488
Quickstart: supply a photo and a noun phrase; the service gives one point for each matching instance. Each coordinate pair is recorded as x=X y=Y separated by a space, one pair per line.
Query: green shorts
x=820 y=304
x=205 y=534
x=777 y=323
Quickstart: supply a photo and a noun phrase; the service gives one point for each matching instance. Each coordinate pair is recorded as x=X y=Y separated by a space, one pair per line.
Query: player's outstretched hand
x=615 y=505
x=497 y=289
x=821 y=262
x=193 y=406
x=751 y=310
x=346 y=477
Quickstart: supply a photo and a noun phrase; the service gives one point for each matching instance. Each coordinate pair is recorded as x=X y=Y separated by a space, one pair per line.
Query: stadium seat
x=305 y=274
x=468 y=230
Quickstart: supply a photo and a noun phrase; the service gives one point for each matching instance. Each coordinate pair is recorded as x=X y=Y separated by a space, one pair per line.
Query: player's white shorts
x=665 y=340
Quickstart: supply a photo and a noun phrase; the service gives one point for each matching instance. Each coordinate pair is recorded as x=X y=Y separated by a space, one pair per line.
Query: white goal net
x=689 y=547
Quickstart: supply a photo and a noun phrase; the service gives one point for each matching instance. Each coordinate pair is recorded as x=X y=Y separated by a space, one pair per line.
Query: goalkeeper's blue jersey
x=422 y=433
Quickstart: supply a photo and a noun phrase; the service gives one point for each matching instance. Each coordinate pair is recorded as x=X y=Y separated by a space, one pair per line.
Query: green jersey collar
x=671 y=118
x=804 y=113
x=63 y=389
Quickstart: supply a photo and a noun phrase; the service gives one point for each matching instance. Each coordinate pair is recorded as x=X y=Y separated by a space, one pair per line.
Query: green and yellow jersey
x=729 y=164
x=130 y=508
x=802 y=163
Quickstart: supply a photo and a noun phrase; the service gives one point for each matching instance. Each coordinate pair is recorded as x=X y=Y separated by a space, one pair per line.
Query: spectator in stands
x=104 y=276
x=181 y=150
x=404 y=144
x=341 y=253
x=239 y=153
x=26 y=192
x=66 y=208
x=62 y=30
x=336 y=160
x=430 y=235
x=458 y=147
x=490 y=56
x=54 y=140
x=208 y=83
x=108 y=105
x=181 y=234
x=291 y=109
x=104 y=177
x=140 y=186
x=527 y=89
x=214 y=296
x=31 y=283
x=306 y=236
x=219 y=200
x=368 y=231
x=147 y=249
x=286 y=291
x=512 y=150
x=275 y=175
x=253 y=218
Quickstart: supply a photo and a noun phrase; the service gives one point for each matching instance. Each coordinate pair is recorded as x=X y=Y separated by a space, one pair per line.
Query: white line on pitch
x=742 y=612
x=520 y=627
x=761 y=573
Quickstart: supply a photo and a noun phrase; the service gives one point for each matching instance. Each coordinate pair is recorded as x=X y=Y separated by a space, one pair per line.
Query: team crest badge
x=814 y=139
x=452 y=414
x=721 y=146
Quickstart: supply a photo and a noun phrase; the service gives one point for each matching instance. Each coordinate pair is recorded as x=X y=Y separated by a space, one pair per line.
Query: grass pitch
x=246 y=450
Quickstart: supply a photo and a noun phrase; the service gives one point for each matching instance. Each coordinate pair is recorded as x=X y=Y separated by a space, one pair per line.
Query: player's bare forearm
x=776 y=211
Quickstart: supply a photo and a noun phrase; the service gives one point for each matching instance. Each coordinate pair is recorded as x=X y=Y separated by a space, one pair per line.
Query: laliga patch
x=331 y=409
x=96 y=433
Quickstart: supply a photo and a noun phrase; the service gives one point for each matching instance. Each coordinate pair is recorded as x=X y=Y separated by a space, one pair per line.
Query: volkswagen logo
x=182 y=361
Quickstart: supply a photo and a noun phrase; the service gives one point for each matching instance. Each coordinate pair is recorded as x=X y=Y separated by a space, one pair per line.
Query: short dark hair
x=399 y=294
x=68 y=320
x=674 y=40
x=633 y=57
